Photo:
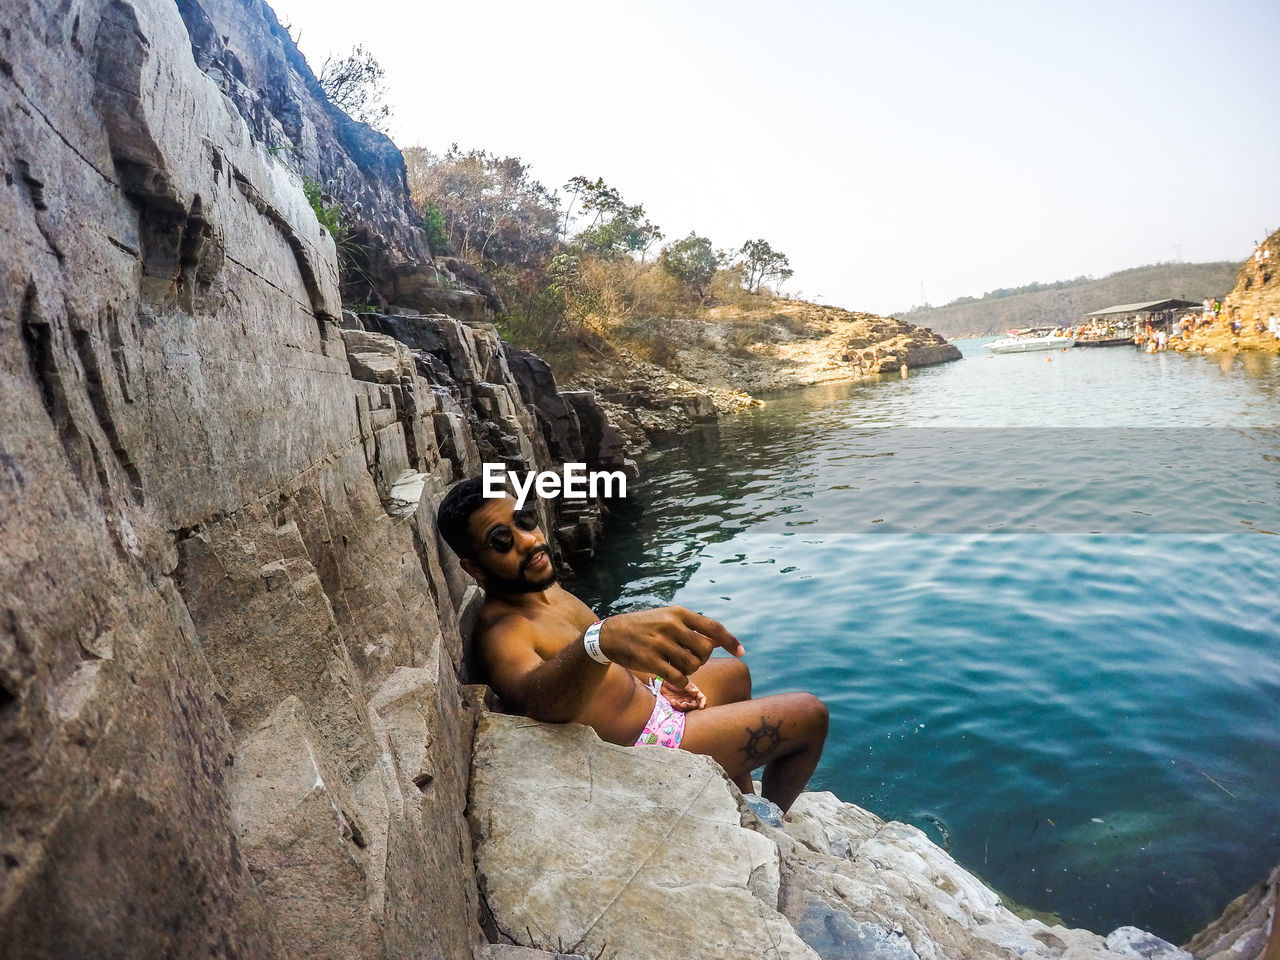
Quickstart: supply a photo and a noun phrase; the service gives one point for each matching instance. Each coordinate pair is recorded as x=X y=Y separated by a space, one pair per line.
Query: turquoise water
x=1039 y=597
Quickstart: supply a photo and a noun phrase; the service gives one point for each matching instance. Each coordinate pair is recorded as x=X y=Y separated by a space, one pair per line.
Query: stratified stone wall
x=231 y=722
x=240 y=46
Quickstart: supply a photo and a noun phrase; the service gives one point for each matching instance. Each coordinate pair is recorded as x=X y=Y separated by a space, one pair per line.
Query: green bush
x=330 y=217
x=433 y=223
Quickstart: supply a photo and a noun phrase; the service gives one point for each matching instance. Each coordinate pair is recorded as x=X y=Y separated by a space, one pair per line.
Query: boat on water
x=1025 y=341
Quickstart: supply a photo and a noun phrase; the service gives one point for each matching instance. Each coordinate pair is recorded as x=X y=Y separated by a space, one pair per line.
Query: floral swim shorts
x=665 y=727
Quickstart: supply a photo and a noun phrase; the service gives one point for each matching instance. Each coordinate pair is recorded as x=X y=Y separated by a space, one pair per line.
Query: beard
x=504 y=586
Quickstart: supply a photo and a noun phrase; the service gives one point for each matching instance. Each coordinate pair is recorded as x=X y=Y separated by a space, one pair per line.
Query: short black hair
x=454 y=515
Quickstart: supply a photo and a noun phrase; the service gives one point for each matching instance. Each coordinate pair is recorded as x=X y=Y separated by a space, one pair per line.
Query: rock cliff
x=1245 y=927
x=230 y=647
x=240 y=46
x=1256 y=294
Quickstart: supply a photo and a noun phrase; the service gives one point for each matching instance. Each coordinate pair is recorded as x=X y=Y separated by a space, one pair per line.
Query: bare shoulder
x=513 y=638
x=500 y=627
x=506 y=645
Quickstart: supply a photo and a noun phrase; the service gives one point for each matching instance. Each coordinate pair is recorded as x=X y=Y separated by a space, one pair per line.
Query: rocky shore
x=794 y=343
x=1220 y=339
x=235 y=718
x=721 y=364
x=600 y=850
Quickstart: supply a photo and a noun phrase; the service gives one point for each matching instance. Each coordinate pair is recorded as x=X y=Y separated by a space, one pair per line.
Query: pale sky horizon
x=896 y=154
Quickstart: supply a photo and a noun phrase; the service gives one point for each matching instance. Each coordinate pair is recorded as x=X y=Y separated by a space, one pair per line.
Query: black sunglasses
x=501 y=539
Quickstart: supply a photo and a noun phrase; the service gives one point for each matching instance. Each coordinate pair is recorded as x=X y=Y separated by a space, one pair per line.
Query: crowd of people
x=1216 y=315
x=1156 y=334
x=1101 y=329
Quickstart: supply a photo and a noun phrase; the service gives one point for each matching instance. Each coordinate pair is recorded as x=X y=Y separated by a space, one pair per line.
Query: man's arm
x=670 y=642
x=555 y=689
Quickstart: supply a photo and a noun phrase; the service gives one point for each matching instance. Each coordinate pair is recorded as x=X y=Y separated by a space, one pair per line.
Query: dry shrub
x=575 y=350
x=743 y=336
x=661 y=351
x=606 y=291
x=659 y=294
x=726 y=290
x=652 y=340
x=801 y=324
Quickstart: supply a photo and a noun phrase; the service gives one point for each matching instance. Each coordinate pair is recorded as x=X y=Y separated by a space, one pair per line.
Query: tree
x=493 y=211
x=692 y=261
x=354 y=85
x=614 y=227
x=762 y=263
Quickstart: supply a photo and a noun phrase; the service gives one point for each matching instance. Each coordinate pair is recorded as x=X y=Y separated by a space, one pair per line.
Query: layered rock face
x=242 y=48
x=232 y=713
x=1246 y=927
x=897 y=343
x=231 y=723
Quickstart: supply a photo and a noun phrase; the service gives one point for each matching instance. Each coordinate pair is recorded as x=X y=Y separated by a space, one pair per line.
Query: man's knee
x=821 y=715
x=815 y=715
x=740 y=675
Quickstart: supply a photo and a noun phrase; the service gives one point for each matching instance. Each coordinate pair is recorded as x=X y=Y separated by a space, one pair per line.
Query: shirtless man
x=550 y=658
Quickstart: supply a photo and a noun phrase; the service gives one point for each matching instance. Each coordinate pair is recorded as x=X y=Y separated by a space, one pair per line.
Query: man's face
x=523 y=567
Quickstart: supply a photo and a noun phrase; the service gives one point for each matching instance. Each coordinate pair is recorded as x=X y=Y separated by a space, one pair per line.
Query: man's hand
x=670 y=642
x=690 y=698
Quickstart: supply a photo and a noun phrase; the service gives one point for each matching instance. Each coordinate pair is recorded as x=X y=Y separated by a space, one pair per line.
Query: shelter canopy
x=1151 y=306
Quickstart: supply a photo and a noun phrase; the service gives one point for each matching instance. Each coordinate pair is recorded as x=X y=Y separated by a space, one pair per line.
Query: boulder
x=632 y=851
x=376 y=358
x=930 y=354
x=1242 y=932
x=841 y=863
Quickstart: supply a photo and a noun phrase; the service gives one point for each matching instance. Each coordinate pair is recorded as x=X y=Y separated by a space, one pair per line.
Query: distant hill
x=1066 y=301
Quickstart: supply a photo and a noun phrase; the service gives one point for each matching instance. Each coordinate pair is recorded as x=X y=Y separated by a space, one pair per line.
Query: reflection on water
x=1039 y=599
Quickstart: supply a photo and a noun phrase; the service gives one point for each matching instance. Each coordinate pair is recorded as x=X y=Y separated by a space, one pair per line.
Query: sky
x=898 y=154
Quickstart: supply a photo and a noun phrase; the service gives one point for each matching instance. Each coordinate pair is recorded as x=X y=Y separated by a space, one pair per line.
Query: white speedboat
x=1027 y=340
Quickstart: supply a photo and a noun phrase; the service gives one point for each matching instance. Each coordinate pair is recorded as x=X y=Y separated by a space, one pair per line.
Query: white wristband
x=591 y=640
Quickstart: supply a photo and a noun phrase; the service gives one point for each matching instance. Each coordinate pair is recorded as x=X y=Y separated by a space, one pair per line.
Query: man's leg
x=726 y=680
x=784 y=732
x=723 y=680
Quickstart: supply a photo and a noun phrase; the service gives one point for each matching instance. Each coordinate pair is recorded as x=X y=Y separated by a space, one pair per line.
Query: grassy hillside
x=1066 y=301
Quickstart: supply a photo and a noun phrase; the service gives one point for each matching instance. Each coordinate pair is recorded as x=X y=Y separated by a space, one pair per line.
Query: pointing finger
x=714 y=631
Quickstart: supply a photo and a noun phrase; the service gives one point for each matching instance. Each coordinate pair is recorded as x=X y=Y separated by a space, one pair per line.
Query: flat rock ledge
x=590 y=848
